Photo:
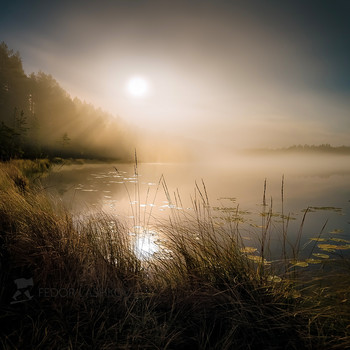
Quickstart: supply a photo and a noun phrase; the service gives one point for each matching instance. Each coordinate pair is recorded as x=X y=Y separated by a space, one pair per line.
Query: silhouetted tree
x=64 y=140
x=8 y=147
x=35 y=110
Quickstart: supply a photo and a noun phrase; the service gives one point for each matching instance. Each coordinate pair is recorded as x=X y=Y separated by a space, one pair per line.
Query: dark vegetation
x=39 y=119
x=90 y=290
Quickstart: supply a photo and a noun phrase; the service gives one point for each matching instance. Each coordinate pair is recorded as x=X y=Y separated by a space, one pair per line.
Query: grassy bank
x=82 y=285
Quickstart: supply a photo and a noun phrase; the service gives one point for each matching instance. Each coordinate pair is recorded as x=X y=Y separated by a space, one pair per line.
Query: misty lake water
x=318 y=182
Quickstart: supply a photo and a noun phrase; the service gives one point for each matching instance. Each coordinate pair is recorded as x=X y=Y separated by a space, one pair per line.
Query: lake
x=318 y=182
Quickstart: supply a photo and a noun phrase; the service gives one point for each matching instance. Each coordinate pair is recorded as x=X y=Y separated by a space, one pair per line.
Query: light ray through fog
x=264 y=74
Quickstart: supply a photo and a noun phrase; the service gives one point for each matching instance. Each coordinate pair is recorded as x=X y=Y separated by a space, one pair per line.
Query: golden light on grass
x=207 y=283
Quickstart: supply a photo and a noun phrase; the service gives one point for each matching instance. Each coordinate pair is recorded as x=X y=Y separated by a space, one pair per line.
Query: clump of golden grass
x=32 y=168
x=91 y=290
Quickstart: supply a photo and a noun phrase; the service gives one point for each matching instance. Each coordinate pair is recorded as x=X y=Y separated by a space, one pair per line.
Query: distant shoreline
x=302 y=149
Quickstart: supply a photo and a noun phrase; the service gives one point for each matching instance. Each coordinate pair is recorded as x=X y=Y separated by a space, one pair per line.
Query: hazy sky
x=243 y=73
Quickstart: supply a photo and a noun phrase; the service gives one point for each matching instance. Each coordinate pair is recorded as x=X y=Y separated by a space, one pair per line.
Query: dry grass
x=92 y=292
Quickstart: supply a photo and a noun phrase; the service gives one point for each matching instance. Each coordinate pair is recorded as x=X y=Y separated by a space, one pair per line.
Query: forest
x=38 y=119
x=303 y=149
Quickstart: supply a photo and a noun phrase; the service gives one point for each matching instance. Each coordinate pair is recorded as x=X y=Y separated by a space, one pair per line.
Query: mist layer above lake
x=318 y=182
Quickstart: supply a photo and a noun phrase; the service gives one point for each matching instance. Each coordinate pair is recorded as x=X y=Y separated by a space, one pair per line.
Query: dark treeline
x=324 y=148
x=38 y=119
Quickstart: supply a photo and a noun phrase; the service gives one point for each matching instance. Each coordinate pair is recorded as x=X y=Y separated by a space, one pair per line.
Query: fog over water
x=318 y=182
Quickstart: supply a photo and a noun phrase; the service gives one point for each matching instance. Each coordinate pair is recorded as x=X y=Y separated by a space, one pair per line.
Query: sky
x=231 y=73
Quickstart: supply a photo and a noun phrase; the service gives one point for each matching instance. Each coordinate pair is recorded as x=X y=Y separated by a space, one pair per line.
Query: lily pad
x=333 y=247
x=318 y=239
x=339 y=240
x=257 y=259
x=313 y=261
x=320 y=255
x=275 y=279
x=248 y=250
x=335 y=209
x=344 y=247
x=328 y=247
x=300 y=263
x=225 y=209
x=338 y=230
x=232 y=199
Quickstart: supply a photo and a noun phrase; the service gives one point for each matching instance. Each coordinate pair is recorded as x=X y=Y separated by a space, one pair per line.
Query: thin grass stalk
x=129 y=197
x=318 y=236
x=284 y=226
x=296 y=246
x=154 y=199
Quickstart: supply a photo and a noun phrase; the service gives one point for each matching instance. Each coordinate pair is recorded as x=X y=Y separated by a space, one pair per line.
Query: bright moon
x=137 y=86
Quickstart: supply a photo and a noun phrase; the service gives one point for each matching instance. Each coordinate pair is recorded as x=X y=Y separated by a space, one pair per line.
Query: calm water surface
x=318 y=182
